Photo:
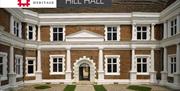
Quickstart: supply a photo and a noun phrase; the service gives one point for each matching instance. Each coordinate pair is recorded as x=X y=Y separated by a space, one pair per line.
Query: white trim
x=21 y=65
x=147 y=32
x=118 y=64
x=34 y=65
x=33 y=31
x=4 y=55
x=51 y=64
x=56 y=26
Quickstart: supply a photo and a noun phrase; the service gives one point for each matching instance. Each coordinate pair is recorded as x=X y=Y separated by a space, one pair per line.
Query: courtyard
x=85 y=87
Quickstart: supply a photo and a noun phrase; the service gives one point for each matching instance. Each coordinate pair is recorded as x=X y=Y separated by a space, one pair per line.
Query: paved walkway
x=84 y=88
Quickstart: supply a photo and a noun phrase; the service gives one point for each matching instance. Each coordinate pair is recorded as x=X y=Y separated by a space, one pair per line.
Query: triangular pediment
x=84 y=33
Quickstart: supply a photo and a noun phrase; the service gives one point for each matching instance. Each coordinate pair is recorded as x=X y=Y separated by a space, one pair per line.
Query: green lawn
x=99 y=88
x=70 y=88
x=43 y=86
x=139 y=88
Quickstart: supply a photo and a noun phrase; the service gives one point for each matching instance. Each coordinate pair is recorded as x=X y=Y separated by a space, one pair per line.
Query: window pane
x=54 y=30
x=1 y=59
x=138 y=59
x=109 y=36
x=30 y=69
x=114 y=67
x=144 y=28
x=54 y=67
x=114 y=36
x=114 y=60
x=54 y=60
x=144 y=60
x=171 y=68
x=109 y=68
x=109 y=29
x=138 y=35
x=1 y=69
x=60 y=59
x=109 y=60
x=144 y=35
x=144 y=67
x=172 y=31
x=138 y=67
x=60 y=68
x=174 y=67
x=54 y=36
x=30 y=35
x=138 y=28
x=114 y=28
x=60 y=36
x=30 y=62
x=30 y=28
x=60 y=29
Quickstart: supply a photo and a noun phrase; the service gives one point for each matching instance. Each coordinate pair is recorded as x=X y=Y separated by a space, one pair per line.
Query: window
x=172 y=65
x=16 y=27
x=142 y=32
x=57 y=33
x=173 y=27
x=57 y=64
x=142 y=65
x=112 y=33
x=112 y=64
x=30 y=66
x=18 y=65
x=3 y=65
x=31 y=32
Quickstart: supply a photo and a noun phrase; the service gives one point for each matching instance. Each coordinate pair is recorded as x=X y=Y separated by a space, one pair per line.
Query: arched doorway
x=84 y=63
x=84 y=72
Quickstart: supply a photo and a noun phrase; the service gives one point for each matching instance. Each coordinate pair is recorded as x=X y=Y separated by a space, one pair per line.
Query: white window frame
x=34 y=65
x=106 y=32
x=51 y=64
x=169 y=64
x=148 y=64
x=169 y=26
x=147 y=32
x=12 y=20
x=21 y=65
x=118 y=64
x=51 y=32
x=4 y=56
x=33 y=31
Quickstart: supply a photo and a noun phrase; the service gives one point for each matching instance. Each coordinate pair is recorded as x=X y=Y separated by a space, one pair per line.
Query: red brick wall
x=126 y=32
x=45 y=33
x=5 y=19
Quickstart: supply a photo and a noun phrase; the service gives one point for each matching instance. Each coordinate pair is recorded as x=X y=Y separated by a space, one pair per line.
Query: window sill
x=112 y=73
x=30 y=74
x=57 y=73
x=19 y=76
x=3 y=78
x=142 y=73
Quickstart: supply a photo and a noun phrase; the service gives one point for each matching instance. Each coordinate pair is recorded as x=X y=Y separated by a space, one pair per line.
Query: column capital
x=68 y=48
x=100 y=48
x=153 y=24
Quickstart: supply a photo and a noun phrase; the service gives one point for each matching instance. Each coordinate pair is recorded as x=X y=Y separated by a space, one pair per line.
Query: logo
x=23 y=3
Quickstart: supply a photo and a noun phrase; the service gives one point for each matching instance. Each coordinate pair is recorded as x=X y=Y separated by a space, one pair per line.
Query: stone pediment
x=84 y=35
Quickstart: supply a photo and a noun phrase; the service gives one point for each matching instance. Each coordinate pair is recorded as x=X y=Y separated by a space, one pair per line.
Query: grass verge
x=44 y=86
x=70 y=88
x=99 y=88
x=139 y=88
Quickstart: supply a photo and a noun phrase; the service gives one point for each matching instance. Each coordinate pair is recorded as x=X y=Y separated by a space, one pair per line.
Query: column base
x=38 y=76
x=100 y=75
x=153 y=77
x=164 y=75
x=177 y=79
x=12 y=79
x=133 y=76
x=68 y=76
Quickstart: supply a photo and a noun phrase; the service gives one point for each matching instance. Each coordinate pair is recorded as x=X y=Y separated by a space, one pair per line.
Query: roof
x=118 y=6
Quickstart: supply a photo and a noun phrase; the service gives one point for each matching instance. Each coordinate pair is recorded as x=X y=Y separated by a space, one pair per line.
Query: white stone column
x=177 y=74
x=133 y=67
x=100 y=71
x=68 y=65
x=165 y=30
x=164 y=72
x=39 y=33
x=12 y=74
x=39 y=70
x=133 y=32
x=152 y=71
x=152 y=31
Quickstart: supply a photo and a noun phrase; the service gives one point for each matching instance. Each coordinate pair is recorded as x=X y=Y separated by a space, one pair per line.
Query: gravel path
x=84 y=88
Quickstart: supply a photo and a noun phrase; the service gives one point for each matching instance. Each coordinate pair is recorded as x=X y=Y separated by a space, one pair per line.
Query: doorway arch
x=90 y=63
